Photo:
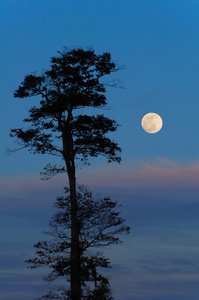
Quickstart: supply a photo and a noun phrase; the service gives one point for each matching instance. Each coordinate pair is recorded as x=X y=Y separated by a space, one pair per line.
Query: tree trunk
x=75 y=253
x=75 y=274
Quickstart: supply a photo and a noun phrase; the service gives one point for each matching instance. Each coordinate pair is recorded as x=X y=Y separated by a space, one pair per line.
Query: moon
x=151 y=123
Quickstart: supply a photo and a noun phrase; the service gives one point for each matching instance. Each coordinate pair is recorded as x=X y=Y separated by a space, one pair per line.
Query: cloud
x=157 y=174
x=20 y=286
x=160 y=173
x=175 y=268
x=155 y=258
x=157 y=264
x=29 y=190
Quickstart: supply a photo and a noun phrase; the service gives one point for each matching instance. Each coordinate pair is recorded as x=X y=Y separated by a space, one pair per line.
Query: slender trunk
x=75 y=274
x=75 y=253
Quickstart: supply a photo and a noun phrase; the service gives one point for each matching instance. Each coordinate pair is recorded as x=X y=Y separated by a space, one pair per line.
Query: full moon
x=151 y=123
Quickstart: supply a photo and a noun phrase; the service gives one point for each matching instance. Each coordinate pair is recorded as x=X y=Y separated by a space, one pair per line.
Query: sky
x=157 y=182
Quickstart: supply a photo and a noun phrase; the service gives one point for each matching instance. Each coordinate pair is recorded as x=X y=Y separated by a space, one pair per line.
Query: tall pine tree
x=55 y=127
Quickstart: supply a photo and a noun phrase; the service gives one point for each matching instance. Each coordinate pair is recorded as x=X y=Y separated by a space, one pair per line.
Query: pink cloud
x=162 y=173
x=29 y=190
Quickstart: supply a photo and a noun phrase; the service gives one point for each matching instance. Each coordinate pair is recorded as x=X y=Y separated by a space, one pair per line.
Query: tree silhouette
x=58 y=128
x=100 y=225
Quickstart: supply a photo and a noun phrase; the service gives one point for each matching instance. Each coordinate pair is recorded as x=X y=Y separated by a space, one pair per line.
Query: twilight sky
x=157 y=181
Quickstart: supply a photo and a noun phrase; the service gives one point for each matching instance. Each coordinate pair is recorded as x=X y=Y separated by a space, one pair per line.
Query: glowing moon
x=151 y=123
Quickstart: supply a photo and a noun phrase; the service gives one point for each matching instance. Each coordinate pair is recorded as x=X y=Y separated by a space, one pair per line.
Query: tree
x=100 y=225
x=71 y=83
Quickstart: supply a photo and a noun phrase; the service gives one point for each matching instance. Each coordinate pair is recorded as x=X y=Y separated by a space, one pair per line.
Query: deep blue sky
x=158 y=180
